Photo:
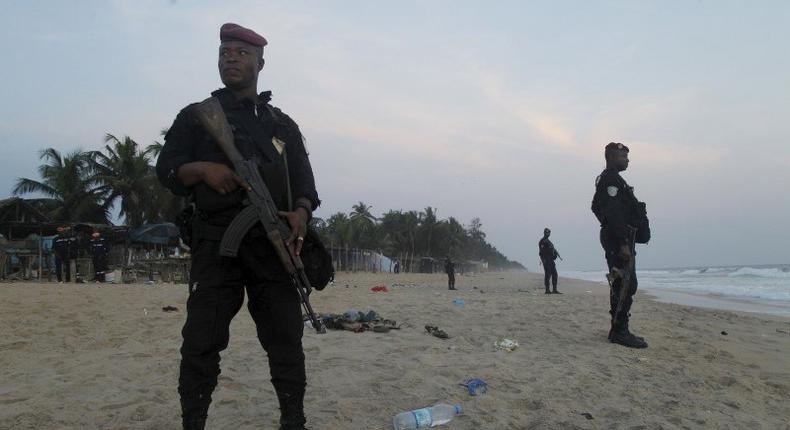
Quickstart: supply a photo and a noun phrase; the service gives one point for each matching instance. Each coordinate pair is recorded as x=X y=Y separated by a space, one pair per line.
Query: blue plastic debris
x=475 y=385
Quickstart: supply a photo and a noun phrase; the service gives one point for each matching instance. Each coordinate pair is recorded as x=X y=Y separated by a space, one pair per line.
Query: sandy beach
x=94 y=356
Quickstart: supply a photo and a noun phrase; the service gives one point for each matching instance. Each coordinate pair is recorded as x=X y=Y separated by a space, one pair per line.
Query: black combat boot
x=194 y=413
x=625 y=325
x=625 y=328
x=619 y=334
x=291 y=409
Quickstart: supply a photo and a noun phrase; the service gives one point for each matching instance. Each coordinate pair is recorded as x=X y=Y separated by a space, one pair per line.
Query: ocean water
x=768 y=283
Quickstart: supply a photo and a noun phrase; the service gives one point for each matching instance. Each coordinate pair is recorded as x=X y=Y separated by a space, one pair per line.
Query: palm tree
x=125 y=173
x=428 y=223
x=339 y=229
x=361 y=212
x=155 y=148
x=363 y=224
x=67 y=184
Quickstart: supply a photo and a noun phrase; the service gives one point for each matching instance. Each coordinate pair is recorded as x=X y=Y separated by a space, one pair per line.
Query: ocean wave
x=760 y=273
x=765 y=292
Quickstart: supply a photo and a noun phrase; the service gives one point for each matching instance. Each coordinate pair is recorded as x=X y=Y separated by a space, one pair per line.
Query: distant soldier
x=99 y=250
x=449 y=268
x=548 y=254
x=624 y=222
x=61 y=245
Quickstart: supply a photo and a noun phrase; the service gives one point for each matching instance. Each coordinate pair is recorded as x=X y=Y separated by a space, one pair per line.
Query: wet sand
x=106 y=357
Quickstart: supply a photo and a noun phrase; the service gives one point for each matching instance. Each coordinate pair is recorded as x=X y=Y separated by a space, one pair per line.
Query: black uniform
x=217 y=284
x=65 y=247
x=618 y=211
x=99 y=250
x=449 y=268
x=547 y=255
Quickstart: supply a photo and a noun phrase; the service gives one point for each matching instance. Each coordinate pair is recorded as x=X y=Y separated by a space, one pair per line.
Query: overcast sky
x=498 y=110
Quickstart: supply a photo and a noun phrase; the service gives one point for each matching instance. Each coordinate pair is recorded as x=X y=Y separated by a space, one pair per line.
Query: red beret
x=232 y=31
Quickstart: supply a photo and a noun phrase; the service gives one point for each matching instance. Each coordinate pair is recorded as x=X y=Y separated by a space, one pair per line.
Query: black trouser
x=549 y=273
x=99 y=267
x=59 y=263
x=612 y=249
x=451 y=280
x=216 y=292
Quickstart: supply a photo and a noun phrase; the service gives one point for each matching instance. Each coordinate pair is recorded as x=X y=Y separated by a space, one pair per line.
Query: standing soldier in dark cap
x=623 y=223
x=99 y=249
x=548 y=254
x=192 y=164
x=60 y=245
x=449 y=268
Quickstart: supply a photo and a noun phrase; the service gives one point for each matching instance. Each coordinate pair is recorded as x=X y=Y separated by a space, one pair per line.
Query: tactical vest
x=637 y=211
x=253 y=138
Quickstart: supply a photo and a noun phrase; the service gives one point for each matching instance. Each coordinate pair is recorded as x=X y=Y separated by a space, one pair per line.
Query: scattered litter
x=475 y=385
x=169 y=308
x=588 y=291
x=145 y=311
x=410 y=284
x=149 y=282
x=459 y=302
x=356 y=321
x=351 y=315
x=587 y=415
x=436 y=331
x=782 y=331
x=724 y=333
x=380 y=288
x=506 y=344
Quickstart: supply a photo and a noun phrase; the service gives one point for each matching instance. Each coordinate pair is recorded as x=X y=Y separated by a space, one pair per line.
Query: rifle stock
x=211 y=116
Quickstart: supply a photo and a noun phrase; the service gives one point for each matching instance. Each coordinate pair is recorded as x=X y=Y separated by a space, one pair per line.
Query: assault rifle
x=261 y=207
x=625 y=274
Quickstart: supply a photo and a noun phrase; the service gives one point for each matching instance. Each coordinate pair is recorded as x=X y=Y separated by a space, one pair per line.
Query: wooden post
x=40 y=254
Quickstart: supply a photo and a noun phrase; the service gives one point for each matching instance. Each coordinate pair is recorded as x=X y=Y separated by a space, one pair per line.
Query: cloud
x=664 y=154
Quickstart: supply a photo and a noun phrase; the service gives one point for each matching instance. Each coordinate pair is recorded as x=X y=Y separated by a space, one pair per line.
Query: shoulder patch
x=612 y=191
x=279 y=145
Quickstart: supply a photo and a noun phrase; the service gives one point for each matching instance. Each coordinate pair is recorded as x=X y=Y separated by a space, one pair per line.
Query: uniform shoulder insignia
x=611 y=190
x=279 y=145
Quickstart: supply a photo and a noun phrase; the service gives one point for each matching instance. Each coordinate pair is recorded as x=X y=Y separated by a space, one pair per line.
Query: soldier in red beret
x=192 y=164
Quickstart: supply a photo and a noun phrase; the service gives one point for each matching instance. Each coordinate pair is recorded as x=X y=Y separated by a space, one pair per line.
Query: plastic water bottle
x=426 y=417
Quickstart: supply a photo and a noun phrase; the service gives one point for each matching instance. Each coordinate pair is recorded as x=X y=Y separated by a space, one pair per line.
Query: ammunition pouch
x=184 y=223
x=317 y=261
x=642 y=224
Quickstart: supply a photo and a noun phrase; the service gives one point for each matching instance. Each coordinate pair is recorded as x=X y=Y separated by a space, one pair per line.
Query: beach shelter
x=156 y=234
